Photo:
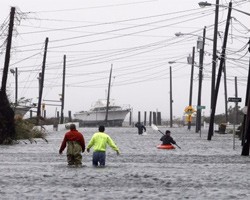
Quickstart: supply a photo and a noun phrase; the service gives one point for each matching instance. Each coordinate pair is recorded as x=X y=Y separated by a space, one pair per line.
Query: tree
x=7 y=125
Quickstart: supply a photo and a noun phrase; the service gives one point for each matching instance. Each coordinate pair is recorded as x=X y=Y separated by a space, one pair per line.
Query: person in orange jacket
x=75 y=143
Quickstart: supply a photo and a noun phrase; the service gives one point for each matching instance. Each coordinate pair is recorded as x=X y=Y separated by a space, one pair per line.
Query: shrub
x=25 y=130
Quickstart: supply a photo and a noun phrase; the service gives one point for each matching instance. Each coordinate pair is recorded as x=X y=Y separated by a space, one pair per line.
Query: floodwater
x=201 y=169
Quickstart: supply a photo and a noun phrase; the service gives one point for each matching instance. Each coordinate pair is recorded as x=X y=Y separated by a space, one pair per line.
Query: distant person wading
x=140 y=127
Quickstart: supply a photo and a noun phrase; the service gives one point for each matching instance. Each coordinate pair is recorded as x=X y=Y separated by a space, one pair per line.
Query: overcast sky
x=136 y=37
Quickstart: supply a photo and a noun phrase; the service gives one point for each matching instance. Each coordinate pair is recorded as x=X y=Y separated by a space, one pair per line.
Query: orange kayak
x=167 y=146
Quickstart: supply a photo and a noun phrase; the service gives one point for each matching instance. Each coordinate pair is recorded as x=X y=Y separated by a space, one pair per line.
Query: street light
x=215 y=90
x=171 y=98
x=178 y=34
x=203 y=4
x=215 y=57
x=174 y=62
x=190 y=60
x=200 y=46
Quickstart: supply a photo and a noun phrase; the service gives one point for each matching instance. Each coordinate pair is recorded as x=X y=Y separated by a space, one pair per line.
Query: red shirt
x=73 y=135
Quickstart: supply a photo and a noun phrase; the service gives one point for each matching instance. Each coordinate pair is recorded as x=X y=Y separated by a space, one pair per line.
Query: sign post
x=200 y=108
x=189 y=110
x=235 y=100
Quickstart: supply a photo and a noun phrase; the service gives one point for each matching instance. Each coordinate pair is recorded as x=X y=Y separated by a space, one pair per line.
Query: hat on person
x=72 y=127
x=167 y=131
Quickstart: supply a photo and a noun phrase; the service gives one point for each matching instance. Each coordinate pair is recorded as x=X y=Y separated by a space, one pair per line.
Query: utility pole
x=63 y=90
x=225 y=89
x=198 y=115
x=246 y=121
x=16 y=86
x=171 y=98
x=214 y=60
x=42 y=81
x=191 y=85
x=107 y=107
x=222 y=60
x=39 y=83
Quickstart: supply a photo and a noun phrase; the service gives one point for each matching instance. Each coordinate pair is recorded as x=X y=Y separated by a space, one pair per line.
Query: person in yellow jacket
x=99 y=142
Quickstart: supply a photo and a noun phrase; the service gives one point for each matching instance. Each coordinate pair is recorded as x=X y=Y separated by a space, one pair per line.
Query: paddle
x=154 y=127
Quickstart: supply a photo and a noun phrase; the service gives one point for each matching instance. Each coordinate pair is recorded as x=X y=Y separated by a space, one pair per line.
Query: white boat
x=97 y=114
x=22 y=106
x=21 y=110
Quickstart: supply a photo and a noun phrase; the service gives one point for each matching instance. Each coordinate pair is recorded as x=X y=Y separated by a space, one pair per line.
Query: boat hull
x=20 y=111
x=110 y=123
x=115 y=118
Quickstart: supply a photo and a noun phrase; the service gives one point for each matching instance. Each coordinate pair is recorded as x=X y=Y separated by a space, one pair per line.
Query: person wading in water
x=99 y=142
x=75 y=143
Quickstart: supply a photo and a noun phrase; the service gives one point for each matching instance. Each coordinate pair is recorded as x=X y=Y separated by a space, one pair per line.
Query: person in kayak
x=140 y=127
x=99 y=142
x=75 y=143
x=167 y=139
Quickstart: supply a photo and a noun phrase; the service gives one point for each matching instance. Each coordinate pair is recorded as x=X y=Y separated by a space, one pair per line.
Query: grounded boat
x=167 y=146
x=21 y=110
x=98 y=114
x=21 y=107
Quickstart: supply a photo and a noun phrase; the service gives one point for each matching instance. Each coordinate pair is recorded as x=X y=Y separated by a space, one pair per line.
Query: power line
x=96 y=7
x=122 y=35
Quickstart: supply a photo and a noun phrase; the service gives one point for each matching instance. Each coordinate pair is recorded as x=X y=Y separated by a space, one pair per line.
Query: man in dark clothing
x=75 y=143
x=167 y=139
x=140 y=127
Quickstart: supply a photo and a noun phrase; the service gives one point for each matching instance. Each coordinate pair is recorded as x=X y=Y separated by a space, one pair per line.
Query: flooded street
x=201 y=169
